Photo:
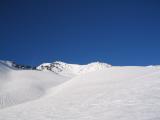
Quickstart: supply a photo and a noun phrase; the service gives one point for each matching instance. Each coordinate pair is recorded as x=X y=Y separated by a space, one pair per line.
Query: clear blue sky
x=120 y=32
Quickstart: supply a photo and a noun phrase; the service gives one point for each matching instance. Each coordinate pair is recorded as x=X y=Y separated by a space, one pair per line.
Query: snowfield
x=18 y=86
x=108 y=93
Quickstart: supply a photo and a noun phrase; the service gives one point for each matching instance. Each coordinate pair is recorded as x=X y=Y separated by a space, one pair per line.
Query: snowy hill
x=18 y=86
x=115 y=93
x=72 y=69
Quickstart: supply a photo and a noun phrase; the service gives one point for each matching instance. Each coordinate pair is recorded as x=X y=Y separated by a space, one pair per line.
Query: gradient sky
x=120 y=32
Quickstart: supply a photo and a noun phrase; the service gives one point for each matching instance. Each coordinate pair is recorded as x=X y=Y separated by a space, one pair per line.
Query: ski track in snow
x=115 y=93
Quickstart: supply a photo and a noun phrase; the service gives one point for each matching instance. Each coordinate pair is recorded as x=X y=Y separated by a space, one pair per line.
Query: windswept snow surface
x=116 y=93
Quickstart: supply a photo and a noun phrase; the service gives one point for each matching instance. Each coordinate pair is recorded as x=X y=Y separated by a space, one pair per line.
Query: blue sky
x=120 y=32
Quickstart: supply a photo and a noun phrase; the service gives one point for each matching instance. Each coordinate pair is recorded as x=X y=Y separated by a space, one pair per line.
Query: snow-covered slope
x=116 y=93
x=14 y=65
x=18 y=86
x=6 y=63
x=72 y=69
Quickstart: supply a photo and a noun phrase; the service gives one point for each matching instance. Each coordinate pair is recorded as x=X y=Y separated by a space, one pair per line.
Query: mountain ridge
x=72 y=69
x=59 y=67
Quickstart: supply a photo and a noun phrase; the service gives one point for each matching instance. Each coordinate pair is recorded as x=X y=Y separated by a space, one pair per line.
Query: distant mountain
x=14 y=65
x=60 y=68
x=72 y=69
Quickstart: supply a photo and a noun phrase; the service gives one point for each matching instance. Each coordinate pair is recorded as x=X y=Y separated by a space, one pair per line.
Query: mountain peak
x=59 y=62
x=72 y=69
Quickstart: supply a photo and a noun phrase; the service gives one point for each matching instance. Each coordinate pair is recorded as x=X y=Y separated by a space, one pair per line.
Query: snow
x=6 y=63
x=13 y=65
x=71 y=70
x=18 y=86
x=115 y=93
